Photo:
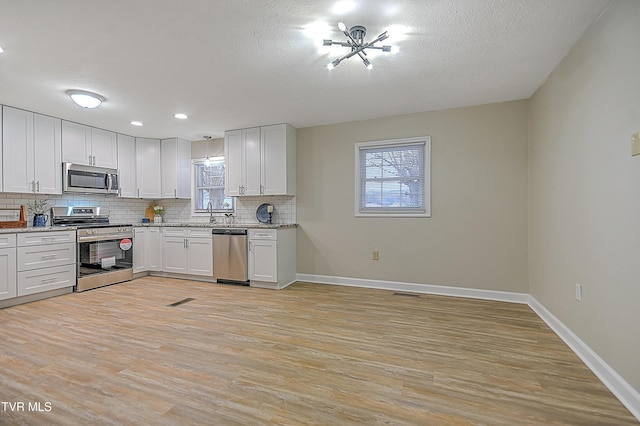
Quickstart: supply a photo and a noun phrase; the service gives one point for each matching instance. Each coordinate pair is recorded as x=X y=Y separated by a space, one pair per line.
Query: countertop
x=36 y=229
x=220 y=225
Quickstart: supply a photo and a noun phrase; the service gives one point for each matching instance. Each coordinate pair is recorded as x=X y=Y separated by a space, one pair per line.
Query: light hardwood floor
x=309 y=354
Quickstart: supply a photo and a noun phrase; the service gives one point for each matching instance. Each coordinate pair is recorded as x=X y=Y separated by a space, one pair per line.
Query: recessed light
x=180 y=116
x=1 y=49
x=137 y=123
x=86 y=99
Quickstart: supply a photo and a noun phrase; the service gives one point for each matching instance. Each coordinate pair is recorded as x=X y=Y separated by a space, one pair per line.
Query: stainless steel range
x=105 y=250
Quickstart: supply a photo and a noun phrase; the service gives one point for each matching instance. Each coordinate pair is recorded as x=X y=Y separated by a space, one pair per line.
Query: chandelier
x=355 y=41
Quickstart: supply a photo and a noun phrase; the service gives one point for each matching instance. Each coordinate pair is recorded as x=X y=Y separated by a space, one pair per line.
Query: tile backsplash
x=131 y=210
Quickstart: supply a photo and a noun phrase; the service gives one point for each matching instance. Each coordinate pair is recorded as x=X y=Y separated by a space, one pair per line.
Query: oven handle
x=94 y=238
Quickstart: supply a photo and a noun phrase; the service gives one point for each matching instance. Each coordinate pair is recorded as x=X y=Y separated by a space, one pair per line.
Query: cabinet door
x=47 y=154
x=278 y=159
x=252 y=168
x=104 y=148
x=139 y=250
x=154 y=249
x=17 y=148
x=174 y=257
x=8 y=287
x=76 y=143
x=148 y=168
x=233 y=167
x=263 y=261
x=200 y=252
x=169 y=167
x=39 y=280
x=127 y=166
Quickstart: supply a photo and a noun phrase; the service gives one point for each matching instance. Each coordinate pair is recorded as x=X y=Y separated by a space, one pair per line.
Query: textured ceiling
x=232 y=63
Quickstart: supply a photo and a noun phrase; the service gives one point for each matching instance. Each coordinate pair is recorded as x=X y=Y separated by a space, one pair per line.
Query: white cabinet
x=147 y=249
x=31 y=152
x=45 y=261
x=8 y=288
x=139 y=250
x=260 y=161
x=176 y=168
x=272 y=257
x=154 y=249
x=148 y=168
x=89 y=146
x=278 y=159
x=127 y=166
x=187 y=251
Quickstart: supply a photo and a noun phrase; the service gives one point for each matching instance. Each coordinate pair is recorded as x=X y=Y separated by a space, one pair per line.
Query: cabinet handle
x=33 y=186
x=38 y=183
x=250 y=246
x=49 y=256
x=261 y=189
x=48 y=280
x=175 y=193
x=138 y=192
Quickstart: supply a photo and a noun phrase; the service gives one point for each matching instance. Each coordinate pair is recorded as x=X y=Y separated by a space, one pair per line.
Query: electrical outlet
x=579 y=292
x=375 y=255
x=635 y=144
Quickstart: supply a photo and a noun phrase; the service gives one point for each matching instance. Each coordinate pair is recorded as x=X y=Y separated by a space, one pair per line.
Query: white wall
x=477 y=235
x=585 y=190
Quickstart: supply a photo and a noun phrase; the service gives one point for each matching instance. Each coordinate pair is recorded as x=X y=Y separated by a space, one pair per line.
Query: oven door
x=104 y=261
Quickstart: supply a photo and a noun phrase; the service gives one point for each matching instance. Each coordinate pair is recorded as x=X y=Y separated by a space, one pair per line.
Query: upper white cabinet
x=148 y=168
x=278 y=159
x=127 y=166
x=176 y=168
x=89 y=146
x=31 y=152
x=260 y=161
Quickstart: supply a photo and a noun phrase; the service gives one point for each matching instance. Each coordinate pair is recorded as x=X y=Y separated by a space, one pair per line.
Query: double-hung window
x=208 y=187
x=393 y=178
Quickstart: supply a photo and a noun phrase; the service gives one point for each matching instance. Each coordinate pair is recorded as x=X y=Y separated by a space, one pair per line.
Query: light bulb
x=342 y=26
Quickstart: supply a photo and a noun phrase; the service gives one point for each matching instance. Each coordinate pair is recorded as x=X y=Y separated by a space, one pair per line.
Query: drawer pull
x=48 y=280
x=49 y=256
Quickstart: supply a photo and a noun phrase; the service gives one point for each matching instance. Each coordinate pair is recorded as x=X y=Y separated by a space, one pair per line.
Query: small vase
x=157 y=219
x=40 y=220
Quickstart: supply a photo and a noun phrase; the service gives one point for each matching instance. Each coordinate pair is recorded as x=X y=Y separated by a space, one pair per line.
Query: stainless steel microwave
x=89 y=179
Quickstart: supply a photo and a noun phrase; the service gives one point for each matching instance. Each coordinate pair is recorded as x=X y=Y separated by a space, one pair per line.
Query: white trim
x=502 y=296
x=627 y=395
x=622 y=390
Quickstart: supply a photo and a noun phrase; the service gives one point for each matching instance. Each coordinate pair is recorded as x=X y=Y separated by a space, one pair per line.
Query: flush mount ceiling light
x=355 y=41
x=180 y=116
x=86 y=99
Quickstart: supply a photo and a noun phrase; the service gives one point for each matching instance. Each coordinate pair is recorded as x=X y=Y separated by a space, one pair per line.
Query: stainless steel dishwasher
x=230 y=255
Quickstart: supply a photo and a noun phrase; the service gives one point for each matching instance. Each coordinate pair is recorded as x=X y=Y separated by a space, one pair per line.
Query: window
x=392 y=178
x=208 y=186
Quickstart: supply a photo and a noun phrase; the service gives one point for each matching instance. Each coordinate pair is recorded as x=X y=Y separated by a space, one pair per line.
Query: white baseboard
x=502 y=296
x=627 y=395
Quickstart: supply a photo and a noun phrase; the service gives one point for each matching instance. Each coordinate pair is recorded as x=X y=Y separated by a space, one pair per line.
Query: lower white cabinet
x=147 y=249
x=8 y=288
x=272 y=257
x=45 y=261
x=187 y=251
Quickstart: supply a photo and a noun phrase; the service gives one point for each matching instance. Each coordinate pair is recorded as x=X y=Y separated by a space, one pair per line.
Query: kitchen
x=512 y=218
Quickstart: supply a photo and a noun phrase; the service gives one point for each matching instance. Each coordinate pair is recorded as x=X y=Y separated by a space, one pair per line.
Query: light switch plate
x=635 y=144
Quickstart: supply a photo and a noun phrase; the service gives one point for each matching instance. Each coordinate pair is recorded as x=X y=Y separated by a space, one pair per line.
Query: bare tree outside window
x=392 y=178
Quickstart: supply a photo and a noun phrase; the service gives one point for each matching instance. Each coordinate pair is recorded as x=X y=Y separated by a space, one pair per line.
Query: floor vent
x=180 y=302
x=406 y=294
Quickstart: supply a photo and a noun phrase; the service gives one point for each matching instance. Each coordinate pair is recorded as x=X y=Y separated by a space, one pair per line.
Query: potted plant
x=39 y=208
x=158 y=213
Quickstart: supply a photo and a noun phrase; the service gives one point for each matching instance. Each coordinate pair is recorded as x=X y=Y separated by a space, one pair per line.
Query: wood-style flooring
x=309 y=354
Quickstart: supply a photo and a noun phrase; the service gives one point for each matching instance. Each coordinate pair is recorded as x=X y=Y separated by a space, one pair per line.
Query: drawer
x=200 y=232
x=39 y=238
x=174 y=232
x=37 y=281
x=262 y=234
x=45 y=256
x=7 y=240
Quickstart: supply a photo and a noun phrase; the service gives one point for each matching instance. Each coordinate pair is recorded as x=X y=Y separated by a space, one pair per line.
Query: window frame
x=198 y=212
x=360 y=147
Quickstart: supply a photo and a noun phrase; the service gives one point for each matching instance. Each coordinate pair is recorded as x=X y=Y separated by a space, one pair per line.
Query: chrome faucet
x=210 y=210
